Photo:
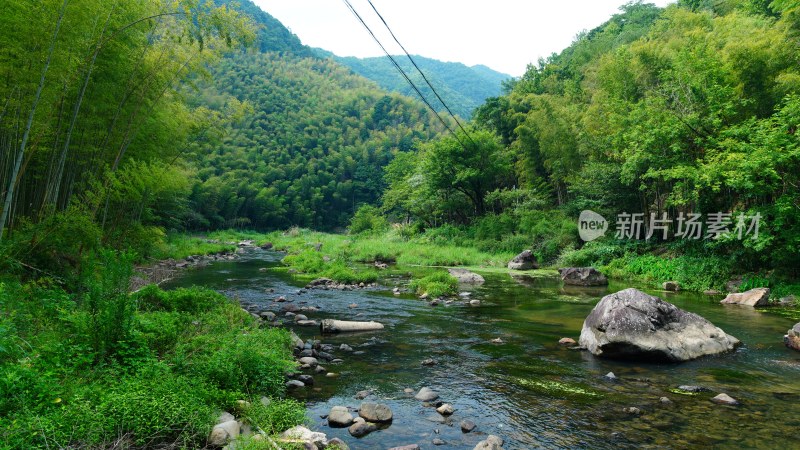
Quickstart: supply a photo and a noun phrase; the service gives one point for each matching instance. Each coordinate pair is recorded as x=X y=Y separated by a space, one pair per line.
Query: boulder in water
x=465 y=276
x=753 y=297
x=582 y=276
x=630 y=324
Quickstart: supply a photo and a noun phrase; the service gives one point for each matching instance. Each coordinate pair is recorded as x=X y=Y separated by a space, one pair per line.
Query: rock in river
x=792 y=337
x=753 y=297
x=523 y=261
x=360 y=428
x=375 y=412
x=465 y=276
x=340 y=417
x=582 y=276
x=725 y=399
x=467 y=426
x=630 y=324
x=426 y=395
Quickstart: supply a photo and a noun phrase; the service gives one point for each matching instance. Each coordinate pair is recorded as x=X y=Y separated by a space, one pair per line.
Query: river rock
x=308 y=380
x=465 y=276
x=361 y=395
x=299 y=317
x=223 y=433
x=426 y=395
x=753 y=297
x=438 y=441
x=490 y=443
x=725 y=399
x=446 y=409
x=429 y=362
x=582 y=276
x=475 y=302
x=567 y=341
x=308 y=360
x=340 y=417
x=672 y=286
x=630 y=324
x=302 y=433
x=360 y=428
x=307 y=323
x=523 y=261
x=375 y=412
x=712 y=292
x=295 y=384
x=267 y=315
x=693 y=388
x=467 y=425
x=406 y=447
x=792 y=337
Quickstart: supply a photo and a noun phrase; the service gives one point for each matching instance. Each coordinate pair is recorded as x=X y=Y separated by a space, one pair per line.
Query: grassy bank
x=347 y=259
x=98 y=367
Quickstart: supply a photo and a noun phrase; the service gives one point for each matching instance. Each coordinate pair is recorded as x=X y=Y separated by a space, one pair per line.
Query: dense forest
x=462 y=88
x=688 y=109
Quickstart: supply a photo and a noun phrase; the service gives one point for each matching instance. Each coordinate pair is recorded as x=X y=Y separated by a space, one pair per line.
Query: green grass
x=156 y=376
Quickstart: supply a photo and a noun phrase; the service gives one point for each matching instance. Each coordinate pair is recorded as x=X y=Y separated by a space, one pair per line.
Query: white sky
x=505 y=35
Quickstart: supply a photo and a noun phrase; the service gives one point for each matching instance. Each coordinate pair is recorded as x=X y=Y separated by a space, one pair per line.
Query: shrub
x=435 y=285
x=368 y=219
x=278 y=415
x=307 y=261
x=189 y=300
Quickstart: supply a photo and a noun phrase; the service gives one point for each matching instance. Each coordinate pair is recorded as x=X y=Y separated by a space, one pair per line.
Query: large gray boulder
x=523 y=261
x=582 y=276
x=753 y=297
x=630 y=324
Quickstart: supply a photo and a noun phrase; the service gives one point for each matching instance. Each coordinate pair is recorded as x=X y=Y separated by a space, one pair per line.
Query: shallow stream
x=529 y=390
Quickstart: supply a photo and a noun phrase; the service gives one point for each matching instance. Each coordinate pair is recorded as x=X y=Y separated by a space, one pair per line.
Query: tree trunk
x=330 y=326
x=18 y=163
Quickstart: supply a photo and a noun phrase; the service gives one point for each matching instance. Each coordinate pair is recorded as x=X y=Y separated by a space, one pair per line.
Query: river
x=529 y=390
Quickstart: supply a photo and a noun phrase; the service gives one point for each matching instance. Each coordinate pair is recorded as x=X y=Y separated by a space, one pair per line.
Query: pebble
x=567 y=341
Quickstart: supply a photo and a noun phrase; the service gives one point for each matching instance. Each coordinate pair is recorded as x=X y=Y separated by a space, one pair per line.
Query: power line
x=403 y=73
x=414 y=63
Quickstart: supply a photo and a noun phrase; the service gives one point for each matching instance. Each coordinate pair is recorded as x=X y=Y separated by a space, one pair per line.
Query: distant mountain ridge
x=463 y=88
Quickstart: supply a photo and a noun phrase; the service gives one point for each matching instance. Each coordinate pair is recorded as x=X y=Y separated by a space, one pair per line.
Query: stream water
x=529 y=390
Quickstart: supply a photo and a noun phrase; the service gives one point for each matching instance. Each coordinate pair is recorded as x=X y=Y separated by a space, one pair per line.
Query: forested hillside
x=462 y=88
x=689 y=109
x=308 y=149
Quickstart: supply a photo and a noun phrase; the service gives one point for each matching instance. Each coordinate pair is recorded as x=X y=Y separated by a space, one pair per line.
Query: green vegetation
x=463 y=88
x=435 y=285
x=99 y=367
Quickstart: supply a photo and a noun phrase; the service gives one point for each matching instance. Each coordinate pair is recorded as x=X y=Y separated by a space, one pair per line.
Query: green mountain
x=309 y=140
x=463 y=88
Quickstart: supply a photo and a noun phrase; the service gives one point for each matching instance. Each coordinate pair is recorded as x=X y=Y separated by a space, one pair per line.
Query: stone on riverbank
x=340 y=417
x=303 y=434
x=753 y=297
x=582 y=276
x=523 y=261
x=630 y=324
x=672 y=286
x=426 y=395
x=375 y=412
x=224 y=433
x=465 y=276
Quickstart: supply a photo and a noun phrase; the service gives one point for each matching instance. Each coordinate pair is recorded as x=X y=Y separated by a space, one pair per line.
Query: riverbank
x=355 y=258
x=102 y=368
